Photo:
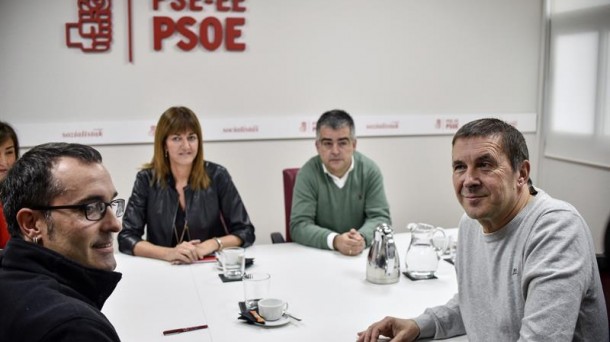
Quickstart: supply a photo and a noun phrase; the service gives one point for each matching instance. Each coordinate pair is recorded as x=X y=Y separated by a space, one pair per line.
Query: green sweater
x=319 y=207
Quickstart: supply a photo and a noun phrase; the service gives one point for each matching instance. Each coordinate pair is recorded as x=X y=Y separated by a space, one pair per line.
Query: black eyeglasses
x=94 y=211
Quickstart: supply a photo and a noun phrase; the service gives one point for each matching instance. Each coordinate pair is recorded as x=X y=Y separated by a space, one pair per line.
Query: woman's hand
x=183 y=253
x=207 y=247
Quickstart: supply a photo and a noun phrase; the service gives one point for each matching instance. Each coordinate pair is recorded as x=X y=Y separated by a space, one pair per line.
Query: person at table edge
x=9 y=153
x=189 y=206
x=56 y=271
x=525 y=264
x=338 y=197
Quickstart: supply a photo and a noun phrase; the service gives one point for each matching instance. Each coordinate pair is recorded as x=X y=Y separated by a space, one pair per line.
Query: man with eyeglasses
x=57 y=269
x=339 y=196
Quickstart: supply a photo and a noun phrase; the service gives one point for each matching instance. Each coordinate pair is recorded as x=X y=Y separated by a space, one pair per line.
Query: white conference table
x=327 y=290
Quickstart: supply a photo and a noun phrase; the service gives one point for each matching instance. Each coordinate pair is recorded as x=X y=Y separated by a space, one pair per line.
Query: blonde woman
x=188 y=206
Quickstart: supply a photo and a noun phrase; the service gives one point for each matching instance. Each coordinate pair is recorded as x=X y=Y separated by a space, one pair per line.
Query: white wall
x=575 y=147
x=303 y=57
x=585 y=187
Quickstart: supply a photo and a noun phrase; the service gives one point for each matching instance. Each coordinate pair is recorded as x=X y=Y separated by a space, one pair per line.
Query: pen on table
x=181 y=330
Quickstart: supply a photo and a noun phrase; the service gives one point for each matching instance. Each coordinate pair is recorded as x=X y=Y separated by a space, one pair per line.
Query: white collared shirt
x=339 y=182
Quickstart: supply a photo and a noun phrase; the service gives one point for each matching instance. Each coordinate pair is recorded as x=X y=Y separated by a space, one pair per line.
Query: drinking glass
x=233 y=262
x=256 y=287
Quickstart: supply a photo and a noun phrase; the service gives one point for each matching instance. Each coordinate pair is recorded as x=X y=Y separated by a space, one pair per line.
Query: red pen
x=181 y=330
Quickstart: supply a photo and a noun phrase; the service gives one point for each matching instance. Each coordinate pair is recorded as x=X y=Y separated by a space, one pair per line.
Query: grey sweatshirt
x=536 y=279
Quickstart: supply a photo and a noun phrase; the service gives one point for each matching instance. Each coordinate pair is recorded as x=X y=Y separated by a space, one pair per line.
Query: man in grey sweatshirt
x=526 y=266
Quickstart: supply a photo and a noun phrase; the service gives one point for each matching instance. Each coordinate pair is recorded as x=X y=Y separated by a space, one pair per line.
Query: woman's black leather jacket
x=215 y=211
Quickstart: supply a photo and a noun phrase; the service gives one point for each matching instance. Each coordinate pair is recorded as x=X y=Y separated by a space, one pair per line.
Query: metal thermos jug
x=383 y=264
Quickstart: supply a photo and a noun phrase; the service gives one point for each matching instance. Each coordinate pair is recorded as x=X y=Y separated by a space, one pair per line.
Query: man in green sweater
x=338 y=197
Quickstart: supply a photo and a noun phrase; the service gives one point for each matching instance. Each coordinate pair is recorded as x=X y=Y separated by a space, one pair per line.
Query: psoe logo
x=93 y=30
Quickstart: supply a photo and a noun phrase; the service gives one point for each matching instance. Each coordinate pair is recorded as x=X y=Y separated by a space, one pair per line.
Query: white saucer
x=282 y=321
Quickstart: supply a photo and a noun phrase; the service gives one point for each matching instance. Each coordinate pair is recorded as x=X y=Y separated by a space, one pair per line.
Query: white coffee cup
x=272 y=309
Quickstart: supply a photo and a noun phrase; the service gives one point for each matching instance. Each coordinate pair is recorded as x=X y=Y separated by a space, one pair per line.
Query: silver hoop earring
x=36 y=239
x=166 y=153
